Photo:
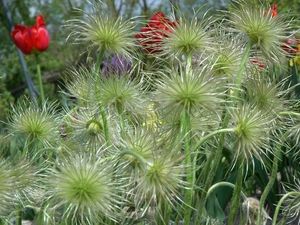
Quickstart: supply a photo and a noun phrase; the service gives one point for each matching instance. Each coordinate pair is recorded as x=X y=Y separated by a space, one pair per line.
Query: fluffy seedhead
x=189 y=90
x=159 y=181
x=84 y=187
x=140 y=142
x=19 y=181
x=34 y=122
x=121 y=95
x=225 y=57
x=268 y=96
x=80 y=84
x=85 y=126
x=102 y=29
x=260 y=29
x=252 y=133
x=190 y=36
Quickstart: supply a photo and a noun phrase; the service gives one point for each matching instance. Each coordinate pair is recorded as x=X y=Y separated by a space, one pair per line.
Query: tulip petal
x=22 y=38
x=40 y=22
x=41 y=39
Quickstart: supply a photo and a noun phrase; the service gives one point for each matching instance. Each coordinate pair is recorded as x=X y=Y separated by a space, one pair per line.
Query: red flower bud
x=32 y=39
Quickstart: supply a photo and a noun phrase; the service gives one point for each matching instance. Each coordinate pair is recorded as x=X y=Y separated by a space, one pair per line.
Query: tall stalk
x=236 y=193
x=270 y=183
x=102 y=110
x=215 y=157
x=190 y=171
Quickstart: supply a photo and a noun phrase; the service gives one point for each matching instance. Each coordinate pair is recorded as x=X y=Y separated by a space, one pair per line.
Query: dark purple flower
x=118 y=65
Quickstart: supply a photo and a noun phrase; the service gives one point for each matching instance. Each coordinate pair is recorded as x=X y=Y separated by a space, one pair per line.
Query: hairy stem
x=236 y=194
x=270 y=183
x=186 y=128
x=102 y=110
x=241 y=70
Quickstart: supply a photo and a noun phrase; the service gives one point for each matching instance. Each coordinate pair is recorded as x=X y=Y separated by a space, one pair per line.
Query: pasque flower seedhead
x=85 y=187
x=159 y=181
x=191 y=90
x=18 y=180
x=190 y=36
x=226 y=56
x=260 y=29
x=268 y=96
x=141 y=142
x=87 y=127
x=121 y=94
x=104 y=30
x=35 y=122
x=252 y=133
x=80 y=84
x=292 y=210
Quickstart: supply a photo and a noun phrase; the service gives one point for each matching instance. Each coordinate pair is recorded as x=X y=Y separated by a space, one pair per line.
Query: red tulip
x=32 y=39
x=151 y=36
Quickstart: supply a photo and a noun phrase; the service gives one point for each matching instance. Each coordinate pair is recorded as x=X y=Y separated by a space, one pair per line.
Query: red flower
x=151 y=36
x=32 y=39
x=272 y=10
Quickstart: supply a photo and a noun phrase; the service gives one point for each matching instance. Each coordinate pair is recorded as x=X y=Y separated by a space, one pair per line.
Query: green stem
x=122 y=120
x=270 y=183
x=190 y=171
x=19 y=217
x=136 y=155
x=99 y=60
x=40 y=79
x=236 y=194
x=102 y=110
x=224 y=183
x=105 y=125
x=41 y=213
x=212 y=165
x=205 y=138
x=280 y=203
x=241 y=70
x=186 y=128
